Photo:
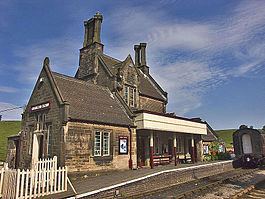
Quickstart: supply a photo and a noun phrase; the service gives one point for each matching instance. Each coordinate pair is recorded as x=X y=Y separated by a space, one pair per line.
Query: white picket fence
x=48 y=163
x=43 y=179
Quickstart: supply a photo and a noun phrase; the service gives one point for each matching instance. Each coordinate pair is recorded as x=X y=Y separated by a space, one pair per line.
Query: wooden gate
x=8 y=183
x=43 y=179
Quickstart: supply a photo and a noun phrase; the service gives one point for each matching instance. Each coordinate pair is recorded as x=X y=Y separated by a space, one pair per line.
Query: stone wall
x=162 y=181
x=54 y=116
x=11 y=153
x=150 y=104
x=79 y=148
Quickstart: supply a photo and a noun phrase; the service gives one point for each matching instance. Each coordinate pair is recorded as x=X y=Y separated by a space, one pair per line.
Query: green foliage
x=226 y=136
x=224 y=156
x=215 y=154
x=7 y=128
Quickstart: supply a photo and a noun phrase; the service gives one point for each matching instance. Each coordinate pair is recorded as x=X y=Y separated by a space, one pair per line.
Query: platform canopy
x=150 y=121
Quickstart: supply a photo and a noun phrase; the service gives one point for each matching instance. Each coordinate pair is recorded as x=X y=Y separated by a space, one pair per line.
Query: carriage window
x=247 y=145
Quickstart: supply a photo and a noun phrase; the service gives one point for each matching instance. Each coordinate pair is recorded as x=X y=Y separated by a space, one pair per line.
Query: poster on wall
x=123 y=145
x=205 y=149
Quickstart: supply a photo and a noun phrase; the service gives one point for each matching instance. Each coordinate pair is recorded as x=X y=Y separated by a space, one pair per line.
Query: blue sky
x=208 y=55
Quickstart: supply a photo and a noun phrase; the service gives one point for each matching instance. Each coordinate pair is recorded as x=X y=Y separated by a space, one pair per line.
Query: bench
x=161 y=159
x=184 y=158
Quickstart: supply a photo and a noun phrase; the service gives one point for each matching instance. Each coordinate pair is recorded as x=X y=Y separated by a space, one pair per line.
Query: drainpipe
x=130 y=159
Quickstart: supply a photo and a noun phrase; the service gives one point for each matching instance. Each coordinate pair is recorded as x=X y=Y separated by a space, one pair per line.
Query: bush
x=224 y=156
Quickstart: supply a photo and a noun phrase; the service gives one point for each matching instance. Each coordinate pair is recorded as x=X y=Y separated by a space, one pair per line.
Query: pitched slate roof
x=90 y=102
x=112 y=64
x=211 y=135
x=147 y=86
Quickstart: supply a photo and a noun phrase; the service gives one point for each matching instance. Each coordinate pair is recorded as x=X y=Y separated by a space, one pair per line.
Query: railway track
x=195 y=188
x=253 y=192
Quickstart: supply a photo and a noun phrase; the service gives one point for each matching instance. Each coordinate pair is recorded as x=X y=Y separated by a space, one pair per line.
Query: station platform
x=91 y=183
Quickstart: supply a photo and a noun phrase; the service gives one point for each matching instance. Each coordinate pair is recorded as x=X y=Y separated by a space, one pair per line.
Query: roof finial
x=46 y=61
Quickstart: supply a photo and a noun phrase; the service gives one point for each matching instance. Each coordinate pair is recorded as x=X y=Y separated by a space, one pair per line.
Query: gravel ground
x=231 y=188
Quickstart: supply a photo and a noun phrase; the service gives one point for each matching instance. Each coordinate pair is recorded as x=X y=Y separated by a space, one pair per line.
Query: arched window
x=247 y=145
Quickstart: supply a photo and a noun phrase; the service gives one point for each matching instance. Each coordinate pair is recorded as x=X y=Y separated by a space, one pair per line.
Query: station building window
x=130 y=96
x=102 y=143
x=41 y=119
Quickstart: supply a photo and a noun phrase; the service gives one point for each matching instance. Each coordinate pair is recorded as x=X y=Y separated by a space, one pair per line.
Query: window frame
x=130 y=95
x=98 y=150
x=41 y=118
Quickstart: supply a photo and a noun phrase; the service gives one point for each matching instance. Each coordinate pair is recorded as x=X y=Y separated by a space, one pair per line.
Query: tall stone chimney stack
x=143 y=53
x=140 y=58
x=92 y=32
x=137 y=54
x=92 y=47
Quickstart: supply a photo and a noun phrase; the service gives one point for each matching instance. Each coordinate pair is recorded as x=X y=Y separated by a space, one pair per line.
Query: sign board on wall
x=205 y=149
x=40 y=106
x=123 y=145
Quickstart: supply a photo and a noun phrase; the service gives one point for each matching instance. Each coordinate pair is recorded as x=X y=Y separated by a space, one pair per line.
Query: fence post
x=42 y=179
x=22 y=183
x=59 y=179
x=18 y=183
x=31 y=182
x=65 y=186
x=1 y=180
x=27 y=182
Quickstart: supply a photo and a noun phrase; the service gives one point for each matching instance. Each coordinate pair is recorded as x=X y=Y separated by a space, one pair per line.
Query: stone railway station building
x=111 y=115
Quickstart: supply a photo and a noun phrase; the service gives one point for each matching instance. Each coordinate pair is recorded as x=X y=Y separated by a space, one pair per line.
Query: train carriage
x=249 y=147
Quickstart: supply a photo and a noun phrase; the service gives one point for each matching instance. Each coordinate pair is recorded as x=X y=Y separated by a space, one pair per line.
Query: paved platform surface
x=92 y=181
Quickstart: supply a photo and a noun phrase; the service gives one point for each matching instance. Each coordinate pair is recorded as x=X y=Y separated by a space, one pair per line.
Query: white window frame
x=108 y=144
x=126 y=94
x=96 y=149
x=130 y=92
x=99 y=150
x=41 y=119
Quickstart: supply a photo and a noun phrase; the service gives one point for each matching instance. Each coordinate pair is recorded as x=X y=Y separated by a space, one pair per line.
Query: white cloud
x=6 y=89
x=11 y=114
x=62 y=52
x=187 y=78
x=186 y=82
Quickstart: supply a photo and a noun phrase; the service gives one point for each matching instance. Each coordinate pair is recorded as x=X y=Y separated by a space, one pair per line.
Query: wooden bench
x=184 y=158
x=161 y=159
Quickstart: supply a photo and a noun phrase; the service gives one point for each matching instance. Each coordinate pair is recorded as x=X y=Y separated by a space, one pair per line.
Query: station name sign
x=40 y=106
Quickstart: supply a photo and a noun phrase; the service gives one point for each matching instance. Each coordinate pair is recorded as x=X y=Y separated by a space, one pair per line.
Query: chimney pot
x=92 y=30
x=143 y=54
x=137 y=54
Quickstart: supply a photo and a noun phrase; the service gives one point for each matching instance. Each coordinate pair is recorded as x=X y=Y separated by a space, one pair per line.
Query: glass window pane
x=106 y=144
x=131 y=95
x=97 y=144
x=126 y=94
